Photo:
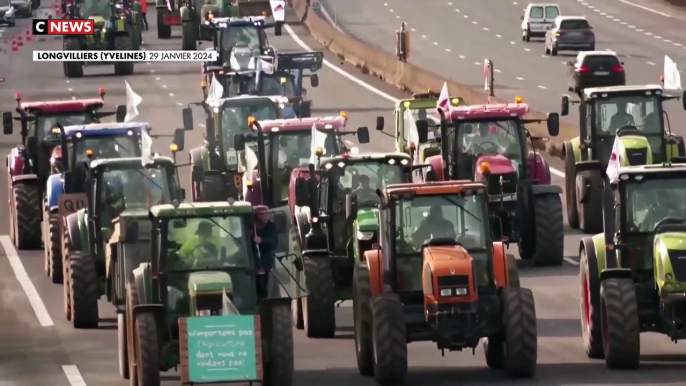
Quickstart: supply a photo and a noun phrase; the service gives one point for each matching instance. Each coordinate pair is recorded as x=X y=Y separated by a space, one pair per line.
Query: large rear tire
x=570 y=187
x=521 y=337
x=147 y=350
x=52 y=244
x=66 y=274
x=163 y=31
x=131 y=302
x=188 y=36
x=84 y=290
x=550 y=233
x=122 y=352
x=123 y=43
x=27 y=215
x=72 y=69
x=620 y=324
x=362 y=317
x=280 y=365
x=389 y=337
x=319 y=311
x=591 y=213
x=589 y=299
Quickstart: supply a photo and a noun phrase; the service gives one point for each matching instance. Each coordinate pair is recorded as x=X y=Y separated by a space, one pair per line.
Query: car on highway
x=569 y=33
x=537 y=17
x=22 y=7
x=595 y=69
x=7 y=13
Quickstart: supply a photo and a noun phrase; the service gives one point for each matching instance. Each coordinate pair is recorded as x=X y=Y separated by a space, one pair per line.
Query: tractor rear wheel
x=84 y=291
x=620 y=324
x=121 y=346
x=27 y=215
x=123 y=43
x=521 y=337
x=362 y=317
x=570 y=187
x=147 y=350
x=550 y=235
x=72 y=69
x=188 y=36
x=52 y=244
x=389 y=338
x=319 y=311
x=494 y=350
x=513 y=272
x=131 y=302
x=278 y=327
x=589 y=298
x=163 y=31
x=66 y=274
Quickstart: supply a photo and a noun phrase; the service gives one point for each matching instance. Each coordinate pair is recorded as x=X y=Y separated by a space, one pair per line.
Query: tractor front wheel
x=27 y=215
x=589 y=298
x=550 y=235
x=147 y=350
x=521 y=336
x=188 y=36
x=280 y=363
x=84 y=291
x=620 y=324
x=570 y=187
x=122 y=352
x=131 y=302
x=362 y=317
x=163 y=31
x=319 y=311
x=389 y=337
x=72 y=69
x=123 y=43
x=52 y=244
x=66 y=274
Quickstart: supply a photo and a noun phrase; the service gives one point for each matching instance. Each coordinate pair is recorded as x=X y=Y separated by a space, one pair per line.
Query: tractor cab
x=407 y=112
x=238 y=40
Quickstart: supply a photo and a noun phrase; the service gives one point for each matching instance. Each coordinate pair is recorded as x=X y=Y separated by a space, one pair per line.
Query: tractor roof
x=303 y=124
x=352 y=158
x=426 y=101
x=128 y=161
x=588 y=92
x=489 y=111
x=106 y=129
x=434 y=188
x=135 y=212
x=657 y=168
x=59 y=107
x=226 y=22
x=201 y=209
x=247 y=97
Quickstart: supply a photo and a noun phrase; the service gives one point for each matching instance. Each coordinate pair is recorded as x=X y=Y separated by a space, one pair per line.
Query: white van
x=537 y=18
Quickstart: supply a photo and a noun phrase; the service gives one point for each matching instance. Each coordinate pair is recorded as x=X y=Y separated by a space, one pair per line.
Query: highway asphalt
x=39 y=348
x=453 y=37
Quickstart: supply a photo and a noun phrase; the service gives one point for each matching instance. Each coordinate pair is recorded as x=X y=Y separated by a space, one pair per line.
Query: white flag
x=443 y=102
x=318 y=140
x=250 y=166
x=216 y=91
x=228 y=307
x=146 y=148
x=671 y=74
x=132 y=102
x=615 y=161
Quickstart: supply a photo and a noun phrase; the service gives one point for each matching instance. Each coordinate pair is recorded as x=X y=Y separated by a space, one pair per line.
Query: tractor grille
x=509 y=184
x=209 y=302
x=678 y=259
x=453 y=281
x=637 y=156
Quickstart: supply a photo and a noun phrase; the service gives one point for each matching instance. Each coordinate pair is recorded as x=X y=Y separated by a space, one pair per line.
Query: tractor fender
x=198 y=158
x=54 y=188
x=596 y=245
x=677 y=148
x=538 y=168
x=303 y=226
x=140 y=279
x=71 y=226
x=575 y=146
x=374 y=261
x=662 y=263
x=500 y=268
x=436 y=163
x=15 y=161
x=588 y=175
x=539 y=190
x=25 y=179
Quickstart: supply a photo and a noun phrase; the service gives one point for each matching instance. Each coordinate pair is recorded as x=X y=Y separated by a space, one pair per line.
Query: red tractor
x=489 y=144
x=29 y=164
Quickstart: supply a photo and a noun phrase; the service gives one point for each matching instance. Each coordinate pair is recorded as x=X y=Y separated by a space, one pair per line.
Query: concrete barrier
x=409 y=77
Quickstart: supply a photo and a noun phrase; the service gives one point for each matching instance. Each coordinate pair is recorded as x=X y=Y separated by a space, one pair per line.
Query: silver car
x=7 y=13
x=23 y=8
x=569 y=33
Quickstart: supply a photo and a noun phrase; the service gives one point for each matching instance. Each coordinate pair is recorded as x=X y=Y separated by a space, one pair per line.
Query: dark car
x=569 y=33
x=596 y=69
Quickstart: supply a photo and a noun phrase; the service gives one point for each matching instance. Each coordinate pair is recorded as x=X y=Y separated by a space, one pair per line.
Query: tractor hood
x=635 y=151
x=99 y=21
x=670 y=258
x=209 y=282
x=498 y=164
x=367 y=220
x=443 y=253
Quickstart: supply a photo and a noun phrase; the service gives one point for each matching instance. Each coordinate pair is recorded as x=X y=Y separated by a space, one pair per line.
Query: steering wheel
x=628 y=130
x=204 y=252
x=486 y=148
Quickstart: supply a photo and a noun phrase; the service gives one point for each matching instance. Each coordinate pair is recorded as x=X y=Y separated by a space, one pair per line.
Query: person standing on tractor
x=433 y=226
x=266 y=239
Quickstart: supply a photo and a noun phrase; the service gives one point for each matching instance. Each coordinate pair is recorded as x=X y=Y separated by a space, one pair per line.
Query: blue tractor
x=65 y=190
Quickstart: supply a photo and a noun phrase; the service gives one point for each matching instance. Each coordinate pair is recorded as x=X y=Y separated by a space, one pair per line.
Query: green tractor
x=197 y=17
x=115 y=188
x=407 y=112
x=633 y=275
x=187 y=277
x=634 y=115
x=116 y=29
x=337 y=220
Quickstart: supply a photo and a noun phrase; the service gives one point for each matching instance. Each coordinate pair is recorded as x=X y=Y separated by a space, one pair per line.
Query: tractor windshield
x=412 y=115
x=271 y=85
x=244 y=36
x=234 y=120
x=652 y=199
x=364 y=178
x=102 y=8
x=44 y=124
x=642 y=111
x=135 y=187
x=124 y=146
x=207 y=243
x=473 y=139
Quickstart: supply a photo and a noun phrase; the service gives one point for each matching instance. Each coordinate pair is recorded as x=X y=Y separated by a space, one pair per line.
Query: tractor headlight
x=445 y=292
x=365 y=235
x=204 y=313
x=460 y=291
x=668 y=276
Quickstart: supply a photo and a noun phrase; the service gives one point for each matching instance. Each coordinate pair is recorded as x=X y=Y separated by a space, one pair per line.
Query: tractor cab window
x=411 y=116
x=501 y=137
x=271 y=85
x=234 y=118
x=641 y=111
x=44 y=124
x=100 y=8
x=244 y=36
x=364 y=178
x=4 y=3
x=124 y=146
x=651 y=200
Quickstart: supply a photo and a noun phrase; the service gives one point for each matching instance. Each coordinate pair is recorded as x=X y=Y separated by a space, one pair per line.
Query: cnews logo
x=63 y=27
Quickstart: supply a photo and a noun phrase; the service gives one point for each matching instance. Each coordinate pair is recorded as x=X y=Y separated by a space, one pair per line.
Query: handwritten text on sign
x=71 y=203
x=221 y=348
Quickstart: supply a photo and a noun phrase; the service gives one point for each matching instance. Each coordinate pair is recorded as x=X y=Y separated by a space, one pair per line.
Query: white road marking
x=435 y=43
x=360 y=82
x=424 y=36
x=164 y=86
x=397 y=17
x=157 y=78
x=462 y=56
x=498 y=36
x=179 y=103
x=651 y=63
x=413 y=30
x=645 y=8
x=457 y=10
x=391 y=10
x=485 y=29
x=520 y=78
x=513 y=43
x=466 y=17
x=498 y=71
x=73 y=375
x=542 y=87
x=475 y=22
x=639 y=30
x=26 y=284
x=447 y=50
x=171 y=95
x=527 y=49
x=478 y=63
x=570 y=261
x=74 y=98
x=70 y=89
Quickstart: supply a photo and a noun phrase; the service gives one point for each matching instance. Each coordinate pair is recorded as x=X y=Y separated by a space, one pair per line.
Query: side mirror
x=32 y=145
x=131 y=232
x=380 y=123
x=180 y=138
x=363 y=134
x=187 y=114
x=120 y=113
x=553 y=124
x=302 y=192
x=7 y=123
x=422 y=130
x=497 y=228
x=683 y=100
x=314 y=80
x=564 y=110
x=239 y=142
x=350 y=207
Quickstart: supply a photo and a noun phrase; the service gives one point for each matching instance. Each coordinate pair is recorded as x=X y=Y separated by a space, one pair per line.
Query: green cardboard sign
x=222 y=348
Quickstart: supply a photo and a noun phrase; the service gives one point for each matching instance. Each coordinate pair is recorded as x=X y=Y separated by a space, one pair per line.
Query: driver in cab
x=482 y=140
x=665 y=206
x=621 y=118
x=433 y=226
x=203 y=246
